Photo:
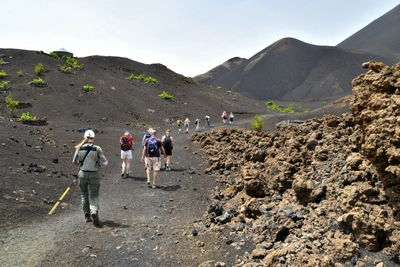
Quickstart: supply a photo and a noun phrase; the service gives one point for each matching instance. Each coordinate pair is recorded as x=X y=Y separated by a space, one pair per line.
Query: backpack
x=125 y=144
x=145 y=137
x=179 y=122
x=196 y=121
x=167 y=141
x=152 y=147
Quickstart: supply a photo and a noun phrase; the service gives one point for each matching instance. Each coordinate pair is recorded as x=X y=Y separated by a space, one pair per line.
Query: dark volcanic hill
x=379 y=37
x=291 y=70
x=121 y=100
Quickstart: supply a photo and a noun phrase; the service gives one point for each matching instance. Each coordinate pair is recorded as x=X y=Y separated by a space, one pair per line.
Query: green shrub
x=257 y=123
x=12 y=105
x=219 y=87
x=27 y=117
x=150 y=80
x=66 y=69
x=140 y=77
x=37 y=81
x=2 y=62
x=39 y=69
x=3 y=84
x=165 y=95
x=73 y=62
x=3 y=74
x=88 y=88
x=52 y=54
x=20 y=74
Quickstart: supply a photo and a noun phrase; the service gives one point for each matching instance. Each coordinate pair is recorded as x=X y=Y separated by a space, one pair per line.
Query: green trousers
x=89 y=183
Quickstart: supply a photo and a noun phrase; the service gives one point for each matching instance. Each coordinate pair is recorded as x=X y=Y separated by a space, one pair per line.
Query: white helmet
x=88 y=133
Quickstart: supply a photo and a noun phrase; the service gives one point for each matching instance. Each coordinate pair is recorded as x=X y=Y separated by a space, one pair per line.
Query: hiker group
x=186 y=123
x=89 y=157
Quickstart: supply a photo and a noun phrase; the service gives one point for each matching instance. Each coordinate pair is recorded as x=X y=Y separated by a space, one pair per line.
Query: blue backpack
x=152 y=148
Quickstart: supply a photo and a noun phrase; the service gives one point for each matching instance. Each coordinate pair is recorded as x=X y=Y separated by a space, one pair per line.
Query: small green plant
x=27 y=117
x=3 y=74
x=66 y=69
x=2 y=62
x=257 y=123
x=39 y=69
x=3 y=84
x=165 y=95
x=219 y=87
x=12 y=105
x=88 y=88
x=37 y=81
x=73 y=62
x=324 y=103
x=150 y=80
x=52 y=54
x=290 y=109
x=38 y=52
x=20 y=74
x=140 y=77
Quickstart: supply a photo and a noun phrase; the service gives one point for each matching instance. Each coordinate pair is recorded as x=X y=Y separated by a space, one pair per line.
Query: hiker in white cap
x=89 y=156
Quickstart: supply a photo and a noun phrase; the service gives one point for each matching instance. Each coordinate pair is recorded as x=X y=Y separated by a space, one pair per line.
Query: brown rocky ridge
x=322 y=193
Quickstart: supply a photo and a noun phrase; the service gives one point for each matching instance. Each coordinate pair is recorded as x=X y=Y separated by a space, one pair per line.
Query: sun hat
x=151 y=130
x=127 y=133
x=88 y=133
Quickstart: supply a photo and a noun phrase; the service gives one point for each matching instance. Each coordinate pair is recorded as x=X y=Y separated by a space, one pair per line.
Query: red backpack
x=125 y=143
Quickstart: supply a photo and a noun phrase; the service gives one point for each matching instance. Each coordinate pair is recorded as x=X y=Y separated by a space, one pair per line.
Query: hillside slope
x=291 y=70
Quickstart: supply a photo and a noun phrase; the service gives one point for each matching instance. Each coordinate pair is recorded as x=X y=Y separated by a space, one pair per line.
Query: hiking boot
x=96 y=221
x=168 y=168
x=87 y=217
x=148 y=181
x=154 y=186
x=123 y=173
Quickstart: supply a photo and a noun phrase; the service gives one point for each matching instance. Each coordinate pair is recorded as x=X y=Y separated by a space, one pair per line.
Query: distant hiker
x=151 y=155
x=126 y=143
x=186 y=124
x=145 y=137
x=87 y=156
x=231 y=118
x=197 y=123
x=207 y=121
x=179 y=122
x=168 y=144
x=224 y=116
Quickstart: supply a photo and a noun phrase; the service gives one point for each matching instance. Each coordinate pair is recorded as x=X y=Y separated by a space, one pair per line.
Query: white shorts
x=153 y=163
x=126 y=154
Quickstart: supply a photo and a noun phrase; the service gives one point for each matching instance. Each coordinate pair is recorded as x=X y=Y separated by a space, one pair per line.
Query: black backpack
x=167 y=141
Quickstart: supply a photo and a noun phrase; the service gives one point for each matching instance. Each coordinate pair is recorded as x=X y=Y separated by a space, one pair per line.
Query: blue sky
x=189 y=37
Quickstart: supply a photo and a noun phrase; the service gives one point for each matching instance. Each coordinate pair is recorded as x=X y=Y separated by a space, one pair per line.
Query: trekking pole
x=62 y=196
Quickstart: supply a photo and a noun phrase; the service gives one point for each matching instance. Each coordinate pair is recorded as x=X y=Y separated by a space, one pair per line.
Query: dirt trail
x=140 y=226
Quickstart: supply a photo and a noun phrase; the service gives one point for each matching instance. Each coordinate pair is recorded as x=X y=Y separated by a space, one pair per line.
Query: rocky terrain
x=321 y=193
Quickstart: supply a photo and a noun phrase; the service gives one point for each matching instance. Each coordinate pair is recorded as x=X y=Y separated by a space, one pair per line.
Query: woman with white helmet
x=89 y=156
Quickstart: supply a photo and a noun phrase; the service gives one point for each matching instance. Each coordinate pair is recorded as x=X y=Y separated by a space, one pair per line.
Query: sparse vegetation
x=219 y=87
x=73 y=62
x=52 y=54
x=257 y=123
x=27 y=117
x=2 y=62
x=274 y=107
x=88 y=88
x=20 y=74
x=39 y=69
x=66 y=69
x=3 y=74
x=142 y=77
x=3 y=84
x=12 y=105
x=37 y=81
x=165 y=95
